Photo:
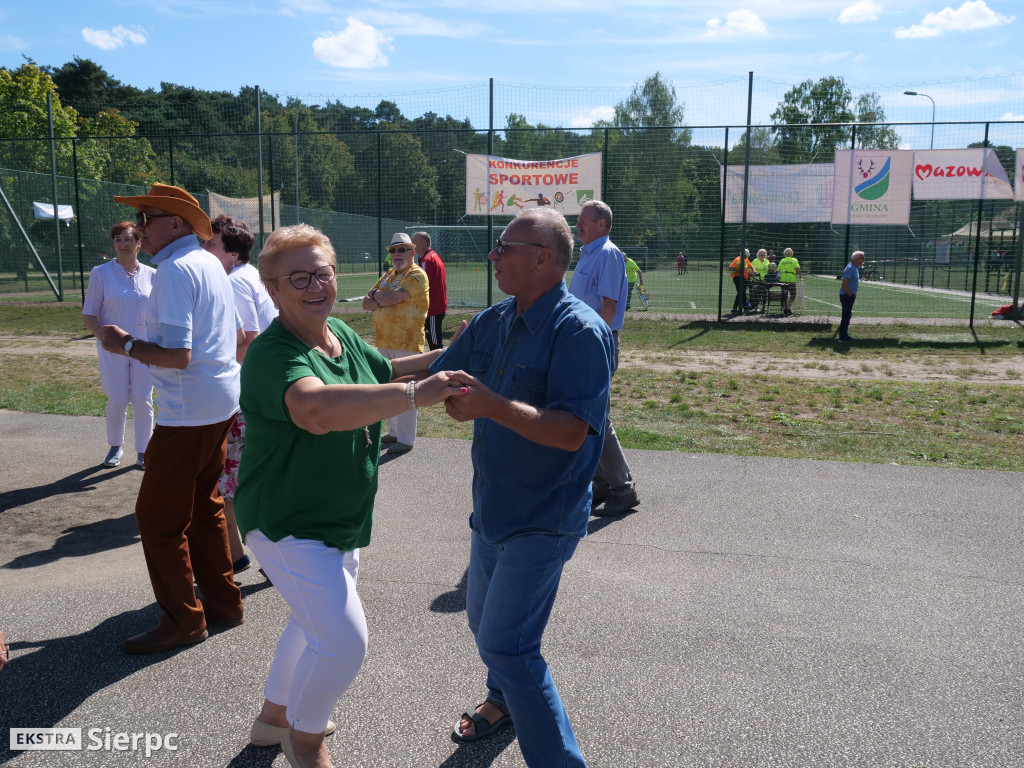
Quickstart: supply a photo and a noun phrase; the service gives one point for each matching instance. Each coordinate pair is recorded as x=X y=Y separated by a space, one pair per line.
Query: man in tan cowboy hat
x=192 y=330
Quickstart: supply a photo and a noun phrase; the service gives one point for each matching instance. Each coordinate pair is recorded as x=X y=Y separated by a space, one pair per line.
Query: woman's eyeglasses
x=301 y=279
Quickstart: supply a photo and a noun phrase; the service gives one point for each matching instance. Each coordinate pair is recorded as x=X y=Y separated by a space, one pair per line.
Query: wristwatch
x=129 y=344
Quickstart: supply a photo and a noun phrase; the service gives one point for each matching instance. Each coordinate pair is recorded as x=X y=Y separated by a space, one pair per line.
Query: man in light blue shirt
x=848 y=294
x=600 y=282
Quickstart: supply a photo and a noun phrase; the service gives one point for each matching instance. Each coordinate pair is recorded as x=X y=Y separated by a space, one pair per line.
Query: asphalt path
x=753 y=612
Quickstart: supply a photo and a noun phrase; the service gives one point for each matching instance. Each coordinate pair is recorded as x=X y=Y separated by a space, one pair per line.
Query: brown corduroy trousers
x=180 y=514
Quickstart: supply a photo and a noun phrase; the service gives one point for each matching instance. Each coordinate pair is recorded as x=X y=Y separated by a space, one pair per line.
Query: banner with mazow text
x=248 y=210
x=504 y=187
x=960 y=174
x=1018 y=182
x=872 y=186
x=779 y=194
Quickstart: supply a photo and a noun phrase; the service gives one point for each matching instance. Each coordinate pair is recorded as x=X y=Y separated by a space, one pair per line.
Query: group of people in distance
x=751 y=279
x=267 y=397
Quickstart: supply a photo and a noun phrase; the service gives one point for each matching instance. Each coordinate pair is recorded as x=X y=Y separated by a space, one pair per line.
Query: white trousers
x=124 y=381
x=324 y=642
x=402 y=426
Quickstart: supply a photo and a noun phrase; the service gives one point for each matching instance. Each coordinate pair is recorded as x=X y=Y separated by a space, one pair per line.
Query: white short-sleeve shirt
x=255 y=307
x=193 y=307
x=119 y=298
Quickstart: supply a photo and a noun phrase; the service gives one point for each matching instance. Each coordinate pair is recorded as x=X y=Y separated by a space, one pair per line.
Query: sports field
x=696 y=293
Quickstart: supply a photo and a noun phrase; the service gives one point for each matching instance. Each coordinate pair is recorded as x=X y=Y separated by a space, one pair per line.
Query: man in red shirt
x=431 y=263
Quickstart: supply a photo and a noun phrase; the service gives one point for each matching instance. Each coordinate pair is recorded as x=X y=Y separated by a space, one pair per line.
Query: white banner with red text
x=872 y=186
x=501 y=186
x=960 y=174
x=779 y=194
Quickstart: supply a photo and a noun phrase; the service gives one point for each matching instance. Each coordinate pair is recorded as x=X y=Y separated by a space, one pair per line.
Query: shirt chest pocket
x=479 y=363
x=529 y=385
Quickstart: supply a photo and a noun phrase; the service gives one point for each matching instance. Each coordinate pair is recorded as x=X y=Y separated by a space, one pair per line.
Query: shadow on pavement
x=83 y=540
x=77 y=482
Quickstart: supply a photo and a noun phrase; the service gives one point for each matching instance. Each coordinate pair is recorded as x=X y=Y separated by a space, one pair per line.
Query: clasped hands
x=464 y=397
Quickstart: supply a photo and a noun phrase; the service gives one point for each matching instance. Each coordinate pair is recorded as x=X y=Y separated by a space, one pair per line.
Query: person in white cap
x=399 y=301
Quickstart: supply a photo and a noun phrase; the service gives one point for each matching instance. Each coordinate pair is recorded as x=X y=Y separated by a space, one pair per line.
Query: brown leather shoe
x=223 y=620
x=163 y=637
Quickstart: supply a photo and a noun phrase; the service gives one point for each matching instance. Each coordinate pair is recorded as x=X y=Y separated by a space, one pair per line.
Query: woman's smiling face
x=315 y=300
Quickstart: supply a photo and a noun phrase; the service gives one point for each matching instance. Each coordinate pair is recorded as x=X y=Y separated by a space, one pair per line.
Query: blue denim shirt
x=852 y=274
x=558 y=354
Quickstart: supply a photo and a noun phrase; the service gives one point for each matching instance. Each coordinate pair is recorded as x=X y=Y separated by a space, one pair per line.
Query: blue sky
x=959 y=53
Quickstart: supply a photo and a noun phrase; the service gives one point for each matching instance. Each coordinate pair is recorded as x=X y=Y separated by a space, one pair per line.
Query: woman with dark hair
x=231 y=243
x=117 y=295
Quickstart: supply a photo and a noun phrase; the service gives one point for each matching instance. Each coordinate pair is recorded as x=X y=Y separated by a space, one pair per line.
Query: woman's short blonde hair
x=287 y=239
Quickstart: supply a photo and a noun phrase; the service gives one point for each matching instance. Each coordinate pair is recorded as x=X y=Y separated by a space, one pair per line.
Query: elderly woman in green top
x=313 y=395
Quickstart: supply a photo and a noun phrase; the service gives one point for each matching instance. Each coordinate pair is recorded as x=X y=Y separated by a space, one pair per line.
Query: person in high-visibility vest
x=789 y=274
x=634 y=275
x=739 y=270
x=759 y=268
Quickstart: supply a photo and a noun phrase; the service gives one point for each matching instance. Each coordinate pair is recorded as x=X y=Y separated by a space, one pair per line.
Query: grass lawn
x=658 y=404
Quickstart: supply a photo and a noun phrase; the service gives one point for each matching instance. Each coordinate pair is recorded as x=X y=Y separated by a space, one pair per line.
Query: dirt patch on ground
x=925 y=368
x=931 y=368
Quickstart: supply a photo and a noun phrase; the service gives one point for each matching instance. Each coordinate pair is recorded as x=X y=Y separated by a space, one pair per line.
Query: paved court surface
x=754 y=612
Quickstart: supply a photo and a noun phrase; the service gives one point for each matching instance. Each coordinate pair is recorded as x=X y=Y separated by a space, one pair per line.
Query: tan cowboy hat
x=400 y=238
x=176 y=201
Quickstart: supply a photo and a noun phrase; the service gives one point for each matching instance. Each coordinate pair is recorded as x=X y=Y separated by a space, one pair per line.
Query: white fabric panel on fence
x=45 y=211
x=779 y=194
x=247 y=209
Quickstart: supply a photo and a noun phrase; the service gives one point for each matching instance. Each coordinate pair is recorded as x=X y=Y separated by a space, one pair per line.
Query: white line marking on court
x=829 y=303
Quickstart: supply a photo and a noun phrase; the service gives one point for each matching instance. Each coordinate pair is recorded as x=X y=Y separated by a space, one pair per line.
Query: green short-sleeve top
x=292 y=482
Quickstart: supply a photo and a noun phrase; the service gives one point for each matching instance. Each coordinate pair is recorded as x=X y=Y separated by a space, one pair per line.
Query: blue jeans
x=511 y=589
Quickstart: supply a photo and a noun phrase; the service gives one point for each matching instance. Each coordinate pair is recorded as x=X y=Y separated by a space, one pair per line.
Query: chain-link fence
x=665 y=186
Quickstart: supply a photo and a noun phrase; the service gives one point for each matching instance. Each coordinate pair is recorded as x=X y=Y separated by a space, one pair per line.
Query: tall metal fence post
x=270 y=151
x=259 y=160
x=298 y=218
x=721 y=237
x=170 y=157
x=490 y=218
x=380 y=207
x=849 y=200
x=1017 y=262
x=977 y=239
x=746 y=182
x=56 y=211
x=78 y=217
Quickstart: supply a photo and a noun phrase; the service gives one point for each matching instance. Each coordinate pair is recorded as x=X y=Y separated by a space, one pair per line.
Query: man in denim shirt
x=538 y=367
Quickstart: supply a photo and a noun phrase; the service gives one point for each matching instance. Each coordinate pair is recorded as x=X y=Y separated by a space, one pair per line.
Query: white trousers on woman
x=126 y=380
x=324 y=643
x=402 y=426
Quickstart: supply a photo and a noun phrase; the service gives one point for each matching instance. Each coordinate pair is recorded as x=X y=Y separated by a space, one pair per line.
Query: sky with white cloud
x=383 y=46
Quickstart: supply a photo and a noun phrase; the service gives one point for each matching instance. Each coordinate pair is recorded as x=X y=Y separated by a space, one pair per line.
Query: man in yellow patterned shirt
x=399 y=301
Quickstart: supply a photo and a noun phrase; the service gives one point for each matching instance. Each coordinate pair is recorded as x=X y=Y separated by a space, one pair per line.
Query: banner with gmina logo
x=872 y=186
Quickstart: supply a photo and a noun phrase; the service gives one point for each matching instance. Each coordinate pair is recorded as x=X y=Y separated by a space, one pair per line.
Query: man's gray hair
x=600 y=209
x=423 y=236
x=556 y=232
x=856 y=254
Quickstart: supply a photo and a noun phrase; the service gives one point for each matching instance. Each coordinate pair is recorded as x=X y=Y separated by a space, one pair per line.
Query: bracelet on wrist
x=410 y=395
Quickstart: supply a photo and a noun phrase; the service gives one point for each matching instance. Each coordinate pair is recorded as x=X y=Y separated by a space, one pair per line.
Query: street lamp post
x=931 y=145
